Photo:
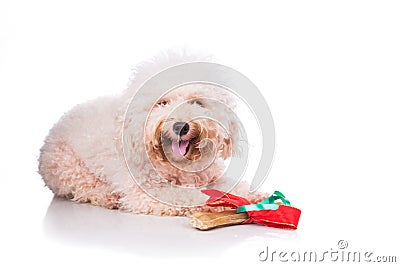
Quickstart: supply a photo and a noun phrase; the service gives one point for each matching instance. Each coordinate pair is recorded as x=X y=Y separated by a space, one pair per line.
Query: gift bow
x=268 y=212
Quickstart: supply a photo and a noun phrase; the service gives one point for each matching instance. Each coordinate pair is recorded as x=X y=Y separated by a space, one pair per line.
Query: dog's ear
x=134 y=150
x=155 y=150
x=229 y=144
x=226 y=149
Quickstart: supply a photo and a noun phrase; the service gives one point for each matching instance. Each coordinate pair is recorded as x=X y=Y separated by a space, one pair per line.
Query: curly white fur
x=82 y=158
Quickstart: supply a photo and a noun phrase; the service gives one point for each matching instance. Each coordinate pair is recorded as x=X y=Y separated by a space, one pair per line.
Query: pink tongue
x=179 y=148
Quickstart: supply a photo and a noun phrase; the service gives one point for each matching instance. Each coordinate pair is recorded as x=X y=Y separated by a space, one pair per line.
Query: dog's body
x=83 y=158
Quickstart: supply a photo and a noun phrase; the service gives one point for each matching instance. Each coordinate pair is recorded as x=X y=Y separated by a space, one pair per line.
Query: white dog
x=83 y=157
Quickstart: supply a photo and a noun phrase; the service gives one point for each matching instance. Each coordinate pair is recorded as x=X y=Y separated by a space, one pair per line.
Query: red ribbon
x=285 y=216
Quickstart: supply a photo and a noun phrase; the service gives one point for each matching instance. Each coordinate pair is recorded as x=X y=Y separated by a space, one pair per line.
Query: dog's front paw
x=257 y=197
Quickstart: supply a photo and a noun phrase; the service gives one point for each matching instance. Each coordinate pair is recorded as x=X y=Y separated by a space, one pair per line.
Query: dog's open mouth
x=180 y=148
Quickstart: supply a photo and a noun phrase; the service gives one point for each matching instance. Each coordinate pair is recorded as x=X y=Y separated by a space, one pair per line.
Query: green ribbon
x=266 y=204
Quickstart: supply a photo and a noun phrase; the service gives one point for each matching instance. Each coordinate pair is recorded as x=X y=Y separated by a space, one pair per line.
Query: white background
x=329 y=70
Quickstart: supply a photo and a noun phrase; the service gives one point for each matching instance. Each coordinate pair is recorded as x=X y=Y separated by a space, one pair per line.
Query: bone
x=209 y=220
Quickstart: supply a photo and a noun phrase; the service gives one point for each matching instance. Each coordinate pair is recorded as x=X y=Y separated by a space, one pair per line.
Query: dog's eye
x=162 y=103
x=197 y=102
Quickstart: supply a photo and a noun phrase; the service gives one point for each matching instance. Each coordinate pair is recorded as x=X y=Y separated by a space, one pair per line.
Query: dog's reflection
x=144 y=234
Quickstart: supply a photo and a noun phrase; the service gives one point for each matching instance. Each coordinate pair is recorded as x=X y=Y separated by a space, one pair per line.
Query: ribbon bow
x=274 y=211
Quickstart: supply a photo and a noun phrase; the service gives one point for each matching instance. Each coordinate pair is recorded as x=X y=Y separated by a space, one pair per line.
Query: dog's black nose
x=180 y=128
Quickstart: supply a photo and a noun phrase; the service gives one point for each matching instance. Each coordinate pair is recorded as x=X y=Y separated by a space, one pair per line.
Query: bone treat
x=210 y=220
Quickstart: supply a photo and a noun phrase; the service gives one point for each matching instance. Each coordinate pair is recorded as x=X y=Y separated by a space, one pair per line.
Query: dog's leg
x=68 y=176
x=136 y=201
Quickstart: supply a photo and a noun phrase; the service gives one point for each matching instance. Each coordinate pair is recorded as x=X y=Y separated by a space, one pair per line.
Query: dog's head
x=191 y=130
